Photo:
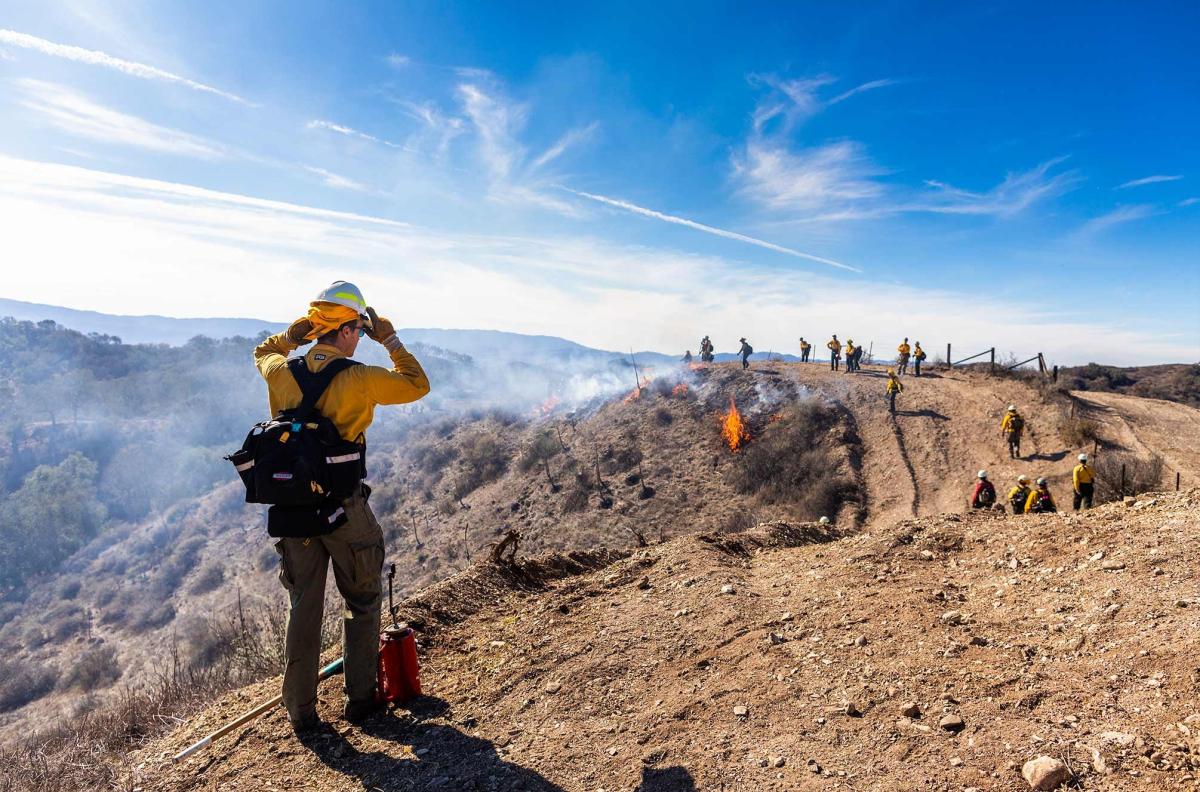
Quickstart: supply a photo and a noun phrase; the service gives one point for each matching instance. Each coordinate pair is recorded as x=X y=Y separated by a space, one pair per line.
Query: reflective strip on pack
x=333 y=517
x=334 y=460
x=244 y=466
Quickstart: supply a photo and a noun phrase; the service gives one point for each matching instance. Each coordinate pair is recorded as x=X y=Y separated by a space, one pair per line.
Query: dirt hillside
x=142 y=595
x=938 y=653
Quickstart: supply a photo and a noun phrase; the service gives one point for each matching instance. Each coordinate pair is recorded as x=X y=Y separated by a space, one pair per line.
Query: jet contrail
x=709 y=229
x=96 y=58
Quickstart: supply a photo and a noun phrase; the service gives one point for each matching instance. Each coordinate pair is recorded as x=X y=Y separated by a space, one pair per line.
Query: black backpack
x=1016 y=423
x=298 y=458
x=987 y=494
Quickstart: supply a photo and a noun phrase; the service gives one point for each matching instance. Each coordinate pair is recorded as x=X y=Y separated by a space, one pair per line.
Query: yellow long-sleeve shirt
x=835 y=346
x=1006 y=422
x=1082 y=474
x=904 y=349
x=1033 y=498
x=350 y=399
x=894 y=386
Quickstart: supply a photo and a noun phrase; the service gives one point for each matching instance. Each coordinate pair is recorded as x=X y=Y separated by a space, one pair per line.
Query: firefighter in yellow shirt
x=835 y=353
x=894 y=389
x=903 y=351
x=336 y=320
x=1083 y=478
x=805 y=348
x=1012 y=425
x=1018 y=496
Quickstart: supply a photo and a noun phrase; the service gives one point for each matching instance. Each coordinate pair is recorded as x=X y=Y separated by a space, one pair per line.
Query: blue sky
x=621 y=175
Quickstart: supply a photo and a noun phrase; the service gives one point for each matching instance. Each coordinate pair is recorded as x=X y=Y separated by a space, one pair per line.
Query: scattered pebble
x=1045 y=773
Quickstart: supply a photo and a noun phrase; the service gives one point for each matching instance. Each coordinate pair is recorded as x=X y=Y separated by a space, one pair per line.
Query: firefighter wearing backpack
x=902 y=353
x=805 y=348
x=851 y=351
x=336 y=319
x=894 y=389
x=984 y=496
x=1011 y=428
x=1040 y=500
x=1083 y=478
x=745 y=351
x=1019 y=495
x=918 y=355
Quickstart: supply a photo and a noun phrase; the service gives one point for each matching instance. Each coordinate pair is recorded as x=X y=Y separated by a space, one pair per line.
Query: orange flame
x=679 y=390
x=547 y=407
x=636 y=393
x=735 y=432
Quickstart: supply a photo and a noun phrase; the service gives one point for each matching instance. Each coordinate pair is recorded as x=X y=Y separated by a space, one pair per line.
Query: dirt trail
x=784 y=659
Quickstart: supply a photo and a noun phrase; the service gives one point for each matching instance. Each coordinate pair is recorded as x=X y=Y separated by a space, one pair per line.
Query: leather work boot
x=359 y=711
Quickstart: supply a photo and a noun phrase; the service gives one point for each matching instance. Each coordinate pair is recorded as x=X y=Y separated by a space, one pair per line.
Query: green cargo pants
x=356 y=549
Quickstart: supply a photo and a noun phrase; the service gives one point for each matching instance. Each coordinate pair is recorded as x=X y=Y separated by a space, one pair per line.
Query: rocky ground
x=935 y=653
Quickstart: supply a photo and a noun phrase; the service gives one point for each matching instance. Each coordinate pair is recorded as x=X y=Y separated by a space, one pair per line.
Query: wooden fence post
x=993 y=360
x=949 y=361
x=1177 y=481
x=1122 y=479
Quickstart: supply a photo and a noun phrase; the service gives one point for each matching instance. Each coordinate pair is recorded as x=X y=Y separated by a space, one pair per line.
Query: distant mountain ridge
x=483 y=345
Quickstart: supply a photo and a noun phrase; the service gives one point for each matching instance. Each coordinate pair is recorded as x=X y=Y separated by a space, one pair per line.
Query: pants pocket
x=367 y=565
x=285 y=575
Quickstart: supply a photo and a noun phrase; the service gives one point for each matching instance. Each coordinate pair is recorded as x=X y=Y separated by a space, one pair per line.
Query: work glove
x=381 y=330
x=297 y=331
x=378 y=328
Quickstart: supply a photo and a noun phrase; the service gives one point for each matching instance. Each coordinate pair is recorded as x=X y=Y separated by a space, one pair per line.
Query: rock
x=853 y=709
x=860 y=640
x=1045 y=773
x=926 y=555
x=741 y=711
x=1112 y=565
x=911 y=710
x=813 y=767
x=1117 y=738
x=978 y=640
x=727 y=588
x=1128 y=500
x=778 y=761
x=955 y=761
x=952 y=723
x=951 y=617
x=787 y=617
x=552 y=687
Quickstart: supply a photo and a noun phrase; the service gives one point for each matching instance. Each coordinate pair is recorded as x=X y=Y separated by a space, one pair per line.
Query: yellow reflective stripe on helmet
x=352 y=297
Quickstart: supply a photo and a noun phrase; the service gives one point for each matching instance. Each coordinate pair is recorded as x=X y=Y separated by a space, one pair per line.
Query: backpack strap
x=313 y=384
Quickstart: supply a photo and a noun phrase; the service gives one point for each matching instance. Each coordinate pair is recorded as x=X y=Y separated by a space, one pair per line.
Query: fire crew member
x=1040 y=500
x=903 y=352
x=805 y=348
x=1018 y=495
x=984 y=496
x=1083 y=477
x=336 y=319
x=894 y=388
x=835 y=352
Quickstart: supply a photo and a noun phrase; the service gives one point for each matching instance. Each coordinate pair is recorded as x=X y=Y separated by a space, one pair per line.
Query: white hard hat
x=824 y=521
x=1022 y=478
x=982 y=474
x=343 y=293
x=1012 y=408
x=1041 y=482
x=1083 y=457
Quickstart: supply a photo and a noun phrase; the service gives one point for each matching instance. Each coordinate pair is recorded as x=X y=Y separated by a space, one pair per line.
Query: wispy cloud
x=571 y=138
x=79 y=115
x=1016 y=193
x=513 y=177
x=826 y=178
x=1148 y=180
x=1118 y=216
x=336 y=181
x=1189 y=201
x=330 y=126
x=867 y=86
x=397 y=61
x=97 y=58
x=721 y=232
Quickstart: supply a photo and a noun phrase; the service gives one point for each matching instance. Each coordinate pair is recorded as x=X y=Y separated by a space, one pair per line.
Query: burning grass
x=792 y=463
x=733 y=428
